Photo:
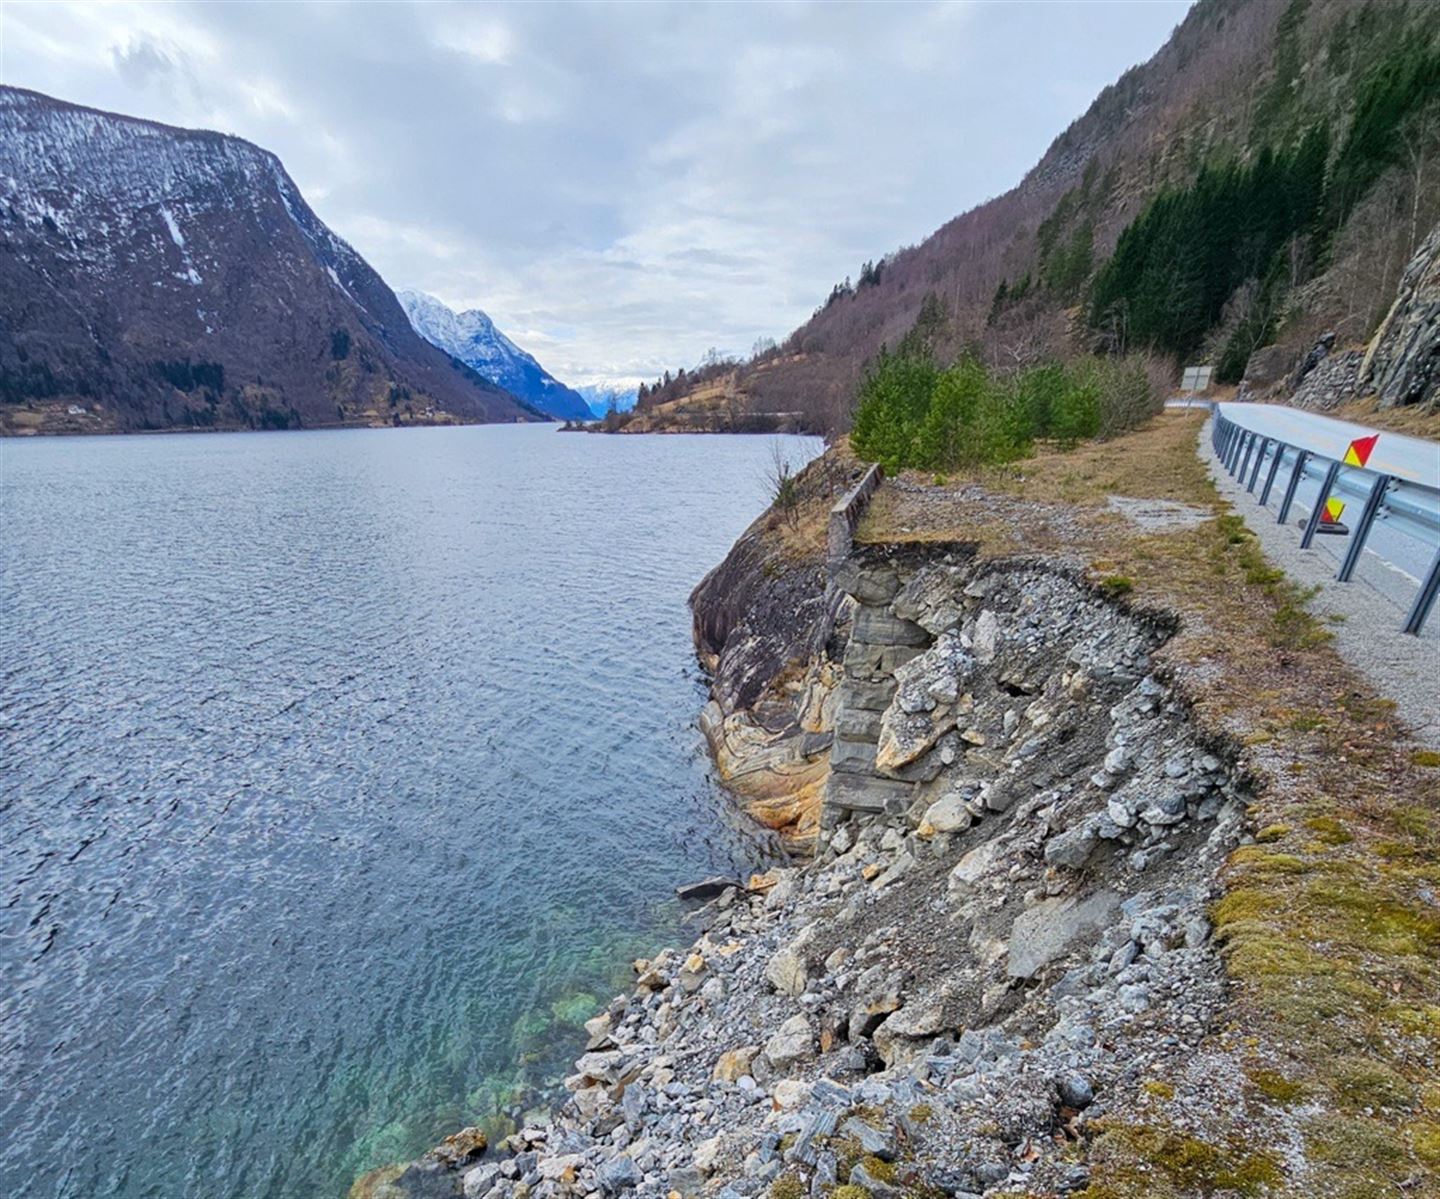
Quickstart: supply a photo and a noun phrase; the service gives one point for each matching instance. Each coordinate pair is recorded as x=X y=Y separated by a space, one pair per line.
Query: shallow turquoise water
x=339 y=773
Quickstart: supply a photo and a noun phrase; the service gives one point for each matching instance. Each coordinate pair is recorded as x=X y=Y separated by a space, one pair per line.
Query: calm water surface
x=340 y=774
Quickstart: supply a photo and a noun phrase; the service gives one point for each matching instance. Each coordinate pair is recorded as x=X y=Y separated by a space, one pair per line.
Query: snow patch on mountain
x=472 y=337
x=609 y=396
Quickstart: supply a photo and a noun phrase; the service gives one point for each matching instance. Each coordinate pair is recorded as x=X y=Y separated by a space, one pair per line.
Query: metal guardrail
x=1404 y=505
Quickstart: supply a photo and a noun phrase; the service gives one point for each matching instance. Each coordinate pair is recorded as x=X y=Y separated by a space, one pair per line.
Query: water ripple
x=328 y=764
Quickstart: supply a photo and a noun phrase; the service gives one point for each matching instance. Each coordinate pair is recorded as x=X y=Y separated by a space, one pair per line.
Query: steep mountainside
x=1274 y=164
x=472 y=337
x=153 y=277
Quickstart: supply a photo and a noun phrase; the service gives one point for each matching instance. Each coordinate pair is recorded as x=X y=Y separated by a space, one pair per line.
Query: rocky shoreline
x=1001 y=942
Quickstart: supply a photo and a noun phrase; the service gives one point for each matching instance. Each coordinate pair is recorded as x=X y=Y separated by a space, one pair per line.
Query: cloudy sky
x=621 y=186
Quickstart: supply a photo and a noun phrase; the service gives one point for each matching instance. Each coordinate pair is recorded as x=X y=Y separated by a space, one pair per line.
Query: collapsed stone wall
x=1002 y=936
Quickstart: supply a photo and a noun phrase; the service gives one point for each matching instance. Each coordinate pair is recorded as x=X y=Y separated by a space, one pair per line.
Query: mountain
x=472 y=337
x=609 y=397
x=1262 y=180
x=154 y=277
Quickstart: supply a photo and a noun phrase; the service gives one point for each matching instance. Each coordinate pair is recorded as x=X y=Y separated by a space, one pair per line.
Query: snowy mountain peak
x=156 y=277
x=472 y=337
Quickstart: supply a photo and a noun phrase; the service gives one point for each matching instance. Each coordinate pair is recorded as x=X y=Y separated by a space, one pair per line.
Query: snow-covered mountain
x=472 y=337
x=153 y=277
x=607 y=397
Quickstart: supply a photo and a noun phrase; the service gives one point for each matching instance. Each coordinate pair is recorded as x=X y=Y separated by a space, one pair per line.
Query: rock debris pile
x=1002 y=936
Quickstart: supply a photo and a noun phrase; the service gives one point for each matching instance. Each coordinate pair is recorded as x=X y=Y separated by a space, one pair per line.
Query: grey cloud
x=631 y=184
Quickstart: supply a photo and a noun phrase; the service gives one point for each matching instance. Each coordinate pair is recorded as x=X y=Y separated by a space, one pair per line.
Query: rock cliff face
x=769 y=627
x=1402 y=364
x=1004 y=931
x=1400 y=367
x=153 y=277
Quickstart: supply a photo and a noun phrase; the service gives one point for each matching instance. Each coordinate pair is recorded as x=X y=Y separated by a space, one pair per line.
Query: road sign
x=1195 y=378
x=1359 y=452
x=1330 y=518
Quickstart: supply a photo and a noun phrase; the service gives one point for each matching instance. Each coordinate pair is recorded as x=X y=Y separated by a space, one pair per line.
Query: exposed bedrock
x=770 y=628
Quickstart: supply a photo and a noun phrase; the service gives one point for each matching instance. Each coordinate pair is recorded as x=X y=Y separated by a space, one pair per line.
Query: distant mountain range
x=607 y=397
x=472 y=337
x=154 y=277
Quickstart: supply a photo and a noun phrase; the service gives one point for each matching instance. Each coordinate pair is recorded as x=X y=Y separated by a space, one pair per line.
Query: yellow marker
x=1333 y=509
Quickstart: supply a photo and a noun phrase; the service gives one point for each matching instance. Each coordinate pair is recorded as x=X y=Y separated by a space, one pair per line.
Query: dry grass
x=1330 y=923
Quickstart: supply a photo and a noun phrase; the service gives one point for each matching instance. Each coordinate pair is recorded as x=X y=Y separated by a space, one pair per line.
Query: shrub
x=911 y=415
x=894 y=399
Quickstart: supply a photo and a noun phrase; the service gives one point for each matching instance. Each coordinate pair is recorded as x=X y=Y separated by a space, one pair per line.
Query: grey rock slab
x=869 y=585
x=1073 y=847
x=858 y=793
x=878 y=627
x=870 y=697
x=1044 y=932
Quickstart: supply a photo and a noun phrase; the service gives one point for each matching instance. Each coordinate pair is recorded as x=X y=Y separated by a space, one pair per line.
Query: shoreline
x=1012 y=964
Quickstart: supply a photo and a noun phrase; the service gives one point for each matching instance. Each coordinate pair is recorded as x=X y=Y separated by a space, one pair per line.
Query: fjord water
x=340 y=775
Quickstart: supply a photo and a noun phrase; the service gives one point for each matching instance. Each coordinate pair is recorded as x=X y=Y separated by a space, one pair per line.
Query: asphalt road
x=1401 y=546
x=1409 y=458
x=1365 y=614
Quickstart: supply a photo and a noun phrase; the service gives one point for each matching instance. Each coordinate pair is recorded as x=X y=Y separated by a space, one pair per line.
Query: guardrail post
x=1280 y=449
x=1259 y=458
x=1245 y=460
x=1236 y=449
x=1420 y=609
x=1327 y=484
x=1295 y=475
x=1362 y=528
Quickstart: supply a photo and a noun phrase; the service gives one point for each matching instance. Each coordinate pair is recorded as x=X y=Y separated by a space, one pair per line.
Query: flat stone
x=563 y=1167
x=869 y=585
x=986 y=637
x=869 y=662
x=619 y=1174
x=707 y=888
x=1073 y=847
x=874 y=1142
x=786 y=973
x=480 y=1181
x=1044 y=932
x=852 y=757
x=731 y=1066
x=857 y=724
x=977 y=863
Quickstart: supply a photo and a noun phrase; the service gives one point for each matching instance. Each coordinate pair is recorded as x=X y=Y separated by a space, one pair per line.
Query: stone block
x=862 y=793
x=877 y=626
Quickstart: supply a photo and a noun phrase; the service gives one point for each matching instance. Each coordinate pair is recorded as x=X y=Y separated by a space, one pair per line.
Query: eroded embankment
x=1028 y=956
x=1002 y=935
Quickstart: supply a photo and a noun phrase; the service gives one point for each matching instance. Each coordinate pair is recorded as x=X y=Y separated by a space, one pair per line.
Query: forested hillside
x=1263 y=179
